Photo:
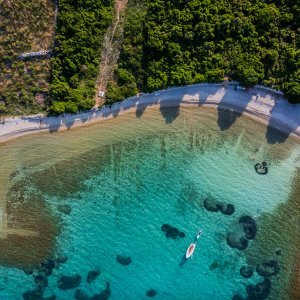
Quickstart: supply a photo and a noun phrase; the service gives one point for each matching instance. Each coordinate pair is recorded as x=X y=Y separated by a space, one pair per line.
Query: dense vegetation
x=187 y=41
x=80 y=29
x=25 y=26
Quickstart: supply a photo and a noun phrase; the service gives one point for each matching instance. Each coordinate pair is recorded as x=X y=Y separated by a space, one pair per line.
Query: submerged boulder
x=268 y=268
x=41 y=281
x=151 y=293
x=172 y=232
x=237 y=241
x=212 y=204
x=64 y=208
x=46 y=267
x=81 y=295
x=249 y=227
x=227 y=209
x=62 y=258
x=92 y=275
x=33 y=295
x=123 y=260
x=69 y=282
x=246 y=271
x=237 y=297
x=261 y=168
x=104 y=295
x=259 y=291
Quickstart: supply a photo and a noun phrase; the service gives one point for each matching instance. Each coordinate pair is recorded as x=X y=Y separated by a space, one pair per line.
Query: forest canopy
x=80 y=29
x=188 y=41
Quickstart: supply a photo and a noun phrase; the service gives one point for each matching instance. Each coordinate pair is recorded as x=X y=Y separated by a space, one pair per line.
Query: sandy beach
x=260 y=103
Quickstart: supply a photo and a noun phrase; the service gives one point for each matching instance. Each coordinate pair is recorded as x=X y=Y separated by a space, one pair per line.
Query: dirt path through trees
x=111 y=50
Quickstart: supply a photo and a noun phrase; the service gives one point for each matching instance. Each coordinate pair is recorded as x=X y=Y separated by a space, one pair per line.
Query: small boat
x=190 y=250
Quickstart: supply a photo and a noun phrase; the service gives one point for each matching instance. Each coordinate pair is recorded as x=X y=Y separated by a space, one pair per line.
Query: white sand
x=262 y=104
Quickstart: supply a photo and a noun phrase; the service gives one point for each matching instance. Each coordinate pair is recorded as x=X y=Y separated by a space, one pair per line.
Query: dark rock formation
x=104 y=295
x=278 y=252
x=151 y=293
x=268 y=268
x=92 y=275
x=211 y=204
x=237 y=297
x=246 y=271
x=33 y=295
x=213 y=266
x=46 y=267
x=237 y=241
x=123 y=260
x=227 y=209
x=81 y=295
x=41 y=281
x=69 y=282
x=171 y=232
x=259 y=291
x=62 y=258
x=28 y=270
x=249 y=227
x=261 y=168
x=64 y=208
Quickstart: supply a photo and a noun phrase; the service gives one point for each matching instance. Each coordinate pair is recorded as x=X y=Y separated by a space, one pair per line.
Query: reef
x=123 y=260
x=268 y=268
x=237 y=241
x=213 y=205
x=69 y=282
x=172 y=232
x=104 y=295
x=151 y=293
x=261 y=168
x=81 y=295
x=249 y=227
x=64 y=208
x=92 y=275
x=246 y=271
x=259 y=291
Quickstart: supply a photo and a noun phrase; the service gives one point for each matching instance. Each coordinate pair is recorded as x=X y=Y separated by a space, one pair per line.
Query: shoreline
x=261 y=104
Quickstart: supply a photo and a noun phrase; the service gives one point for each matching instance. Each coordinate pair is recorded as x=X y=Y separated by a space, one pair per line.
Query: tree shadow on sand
x=273 y=134
x=170 y=110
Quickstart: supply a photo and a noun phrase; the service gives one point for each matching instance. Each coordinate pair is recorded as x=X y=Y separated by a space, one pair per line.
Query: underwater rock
x=52 y=297
x=104 y=295
x=182 y=234
x=278 y=252
x=64 y=208
x=214 y=265
x=172 y=232
x=261 y=168
x=69 y=282
x=151 y=293
x=28 y=271
x=249 y=227
x=259 y=291
x=46 y=267
x=62 y=258
x=227 y=209
x=211 y=204
x=41 y=281
x=123 y=260
x=246 y=271
x=81 y=295
x=236 y=241
x=33 y=295
x=268 y=268
x=92 y=275
x=14 y=174
x=237 y=297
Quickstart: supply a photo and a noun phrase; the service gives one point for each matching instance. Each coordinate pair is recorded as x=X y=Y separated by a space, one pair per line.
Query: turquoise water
x=147 y=181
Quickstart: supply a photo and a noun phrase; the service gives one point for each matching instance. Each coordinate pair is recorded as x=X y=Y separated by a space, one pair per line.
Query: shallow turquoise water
x=149 y=181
